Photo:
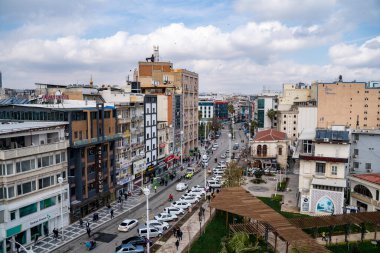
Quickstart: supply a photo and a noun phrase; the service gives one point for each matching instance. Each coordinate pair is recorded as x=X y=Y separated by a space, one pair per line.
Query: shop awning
x=169 y=158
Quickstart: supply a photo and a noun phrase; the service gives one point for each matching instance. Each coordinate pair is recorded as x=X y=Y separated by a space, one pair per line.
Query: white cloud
x=352 y=55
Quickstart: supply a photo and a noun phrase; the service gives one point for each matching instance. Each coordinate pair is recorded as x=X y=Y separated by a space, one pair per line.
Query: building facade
x=365 y=192
x=150 y=128
x=221 y=110
x=324 y=158
x=206 y=110
x=33 y=156
x=263 y=104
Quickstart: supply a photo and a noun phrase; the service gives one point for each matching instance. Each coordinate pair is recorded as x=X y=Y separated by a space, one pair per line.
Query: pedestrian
x=89 y=232
x=87 y=224
x=155 y=188
x=203 y=211
x=94 y=217
x=36 y=239
x=119 y=199
x=125 y=196
x=180 y=234
x=18 y=248
x=175 y=232
x=177 y=244
x=55 y=232
x=111 y=213
x=208 y=198
x=80 y=222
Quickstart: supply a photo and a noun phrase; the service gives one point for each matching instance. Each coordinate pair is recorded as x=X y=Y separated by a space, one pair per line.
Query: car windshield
x=123 y=224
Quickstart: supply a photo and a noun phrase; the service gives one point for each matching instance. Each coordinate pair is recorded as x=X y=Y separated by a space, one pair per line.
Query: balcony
x=124 y=120
x=268 y=156
x=33 y=150
x=365 y=199
x=97 y=140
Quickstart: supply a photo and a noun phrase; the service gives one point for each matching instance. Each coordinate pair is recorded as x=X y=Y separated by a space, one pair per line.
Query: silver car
x=153 y=231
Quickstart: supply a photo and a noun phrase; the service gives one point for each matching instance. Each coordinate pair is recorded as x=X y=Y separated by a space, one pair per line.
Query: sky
x=239 y=46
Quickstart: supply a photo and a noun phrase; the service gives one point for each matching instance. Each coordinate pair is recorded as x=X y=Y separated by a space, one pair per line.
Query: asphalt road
x=156 y=205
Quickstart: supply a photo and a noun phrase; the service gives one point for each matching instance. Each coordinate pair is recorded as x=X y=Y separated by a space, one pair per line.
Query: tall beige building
x=352 y=104
x=161 y=78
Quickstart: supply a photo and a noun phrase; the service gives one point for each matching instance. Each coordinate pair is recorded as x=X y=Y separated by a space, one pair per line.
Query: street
x=112 y=237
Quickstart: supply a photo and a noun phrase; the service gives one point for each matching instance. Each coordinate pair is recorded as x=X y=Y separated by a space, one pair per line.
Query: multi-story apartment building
x=358 y=103
x=206 y=110
x=221 y=110
x=150 y=127
x=324 y=156
x=33 y=156
x=365 y=151
x=160 y=77
x=91 y=156
x=264 y=103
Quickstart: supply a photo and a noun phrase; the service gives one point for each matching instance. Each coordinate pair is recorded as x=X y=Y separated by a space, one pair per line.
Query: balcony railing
x=365 y=199
x=98 y=140
x=33 y=150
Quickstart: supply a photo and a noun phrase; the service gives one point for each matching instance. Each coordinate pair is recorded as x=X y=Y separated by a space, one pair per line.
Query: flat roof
x=11 y=127
x=70 y=104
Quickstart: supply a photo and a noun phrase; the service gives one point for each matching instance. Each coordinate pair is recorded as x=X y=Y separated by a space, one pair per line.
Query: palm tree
x=239 y=243
x=233 y=175
x=254 y=125
x=271 y=115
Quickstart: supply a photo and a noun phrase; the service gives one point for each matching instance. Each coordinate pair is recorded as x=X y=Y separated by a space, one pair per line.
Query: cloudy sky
x=235 y=46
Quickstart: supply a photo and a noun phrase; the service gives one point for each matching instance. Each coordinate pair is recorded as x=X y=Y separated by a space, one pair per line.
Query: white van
x=153 y=231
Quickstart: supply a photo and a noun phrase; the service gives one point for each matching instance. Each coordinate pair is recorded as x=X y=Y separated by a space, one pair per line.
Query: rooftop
x=11 y=127
x=372 y=178
x=70 y=104
x=270 y=135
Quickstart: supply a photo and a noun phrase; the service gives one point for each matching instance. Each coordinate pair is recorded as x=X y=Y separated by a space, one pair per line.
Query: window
x=11 y=192
x=307 y=146
x=75 y=135
x=45 y=182
x=147 y=159
x=48 y=202
x=356 y=151
x=265 y=150
x=154 y=158
x=154 y=122
x=26 y=187
x=147 y=148
x=12 y=214
x=280 y=151
x=320 y=168
x=284 y=128
x=154 y=146
x=147 y=110
x=24 y=166
x=26 y=210
x=258 y=150
x=10 y=169
x=57 y=158
x=63 y=156
x=334 y=170
x=154 y=110
x=368 y=166
x=147 y=136
x=356 y=165
x=284 y=122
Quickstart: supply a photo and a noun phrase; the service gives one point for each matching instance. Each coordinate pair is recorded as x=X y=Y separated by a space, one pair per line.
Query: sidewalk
x=351 y=238
x=74 y=231
x=190 y=231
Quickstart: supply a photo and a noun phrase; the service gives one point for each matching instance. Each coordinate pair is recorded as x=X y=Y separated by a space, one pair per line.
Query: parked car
x=199 y=191
x=136 y=240
x=181 y=186
x=197 y=187
x=159 y=224
x=218 y=173
x=223 y=156
x=191 y=194
x=217 y=178
x=216 y=145
x=222 y=163
x=214 y=184
x=189 y=199
x=153 y=232
x=130 y=248
x=174 y=210
x=181 y=204
x=127 y=225
x=214 y=148
x=165 y=217
x=189 y=173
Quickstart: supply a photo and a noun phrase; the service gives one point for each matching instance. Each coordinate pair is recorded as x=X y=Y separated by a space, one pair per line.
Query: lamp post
x=60 y=181
x=205 y=168
x=146 y=192
x=181 y=149
x=229 y=146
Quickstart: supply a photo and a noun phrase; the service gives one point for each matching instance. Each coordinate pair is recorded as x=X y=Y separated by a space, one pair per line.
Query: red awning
x=162 y=145
x=169 y=158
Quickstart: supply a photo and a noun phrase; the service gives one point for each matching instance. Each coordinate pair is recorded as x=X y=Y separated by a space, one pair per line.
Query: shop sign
x=39 y=220
x=305 y=205
x=99 y=168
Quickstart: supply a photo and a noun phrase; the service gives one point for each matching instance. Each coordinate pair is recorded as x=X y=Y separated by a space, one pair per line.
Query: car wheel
x=164 y=228
x=159 y=235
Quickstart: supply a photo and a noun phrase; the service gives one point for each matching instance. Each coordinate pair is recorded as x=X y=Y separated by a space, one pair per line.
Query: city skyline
x=235 y=46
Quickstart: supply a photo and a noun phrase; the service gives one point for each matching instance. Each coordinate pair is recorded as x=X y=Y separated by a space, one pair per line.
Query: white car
x=199 y=191
x=223 y=156
x=127 y=225
x=191 y=194
x=197 y=187
x=217 y=178
x=175 y=210
x=181 y=204
x=214 y=184
x=181 y=187
x=216 y=170
x=216 y=145
x=159 y=224
x=165 y=217
x=189 y=199
x=214 y=148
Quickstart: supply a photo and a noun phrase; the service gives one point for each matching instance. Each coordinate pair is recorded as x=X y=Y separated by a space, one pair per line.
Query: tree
x=239 y=243
x=258 y=174
x=231 y=109
x=233 y=175
x=253 y=127
x=215 y=125
x=271 y=115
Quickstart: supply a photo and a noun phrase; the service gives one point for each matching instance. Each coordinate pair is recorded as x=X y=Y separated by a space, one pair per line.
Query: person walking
x=111 y=213
x=180 y=234
x=155 y=189
x=36 y=239
x=177 y=244
x=80 y=222
x=87 y=224
x=89 y=232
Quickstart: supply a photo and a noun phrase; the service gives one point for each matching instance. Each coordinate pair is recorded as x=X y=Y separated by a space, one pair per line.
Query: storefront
x=169 y=160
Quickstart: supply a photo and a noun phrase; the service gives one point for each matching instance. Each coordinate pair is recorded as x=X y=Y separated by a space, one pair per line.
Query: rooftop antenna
x=156 y=53
x=91 y=82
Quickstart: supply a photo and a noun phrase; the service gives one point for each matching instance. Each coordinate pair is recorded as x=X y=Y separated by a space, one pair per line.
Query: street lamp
x=146 y=192
x=205 y=168
x=60 y=181
x=229 y=146
x=181 y=149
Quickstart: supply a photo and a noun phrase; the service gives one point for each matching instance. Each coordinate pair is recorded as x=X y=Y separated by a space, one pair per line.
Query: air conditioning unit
x=369 y=170
x=355 y=156
x=326 y=139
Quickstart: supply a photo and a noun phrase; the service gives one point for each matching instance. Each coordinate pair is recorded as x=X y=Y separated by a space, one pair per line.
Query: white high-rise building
x=33 y=155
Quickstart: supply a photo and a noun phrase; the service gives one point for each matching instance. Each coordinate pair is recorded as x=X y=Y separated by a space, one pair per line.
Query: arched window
x=280 y=150
x=259 y=150
x=265 y=150
x=361 y=189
